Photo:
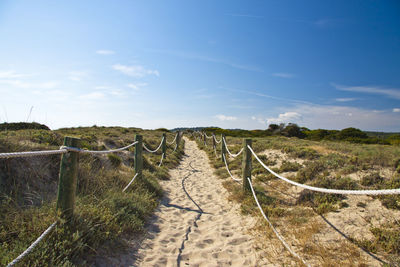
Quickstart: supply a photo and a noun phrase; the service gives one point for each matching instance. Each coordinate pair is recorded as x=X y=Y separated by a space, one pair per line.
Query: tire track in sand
x=195 y=225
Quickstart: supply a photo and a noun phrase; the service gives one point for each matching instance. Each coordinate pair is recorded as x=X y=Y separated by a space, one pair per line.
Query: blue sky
x=233 y=64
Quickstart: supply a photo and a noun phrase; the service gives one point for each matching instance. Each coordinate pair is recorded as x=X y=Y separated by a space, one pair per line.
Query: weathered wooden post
x=138 y=156
x=68 y=178
x=205 y=139
x=223 y=149
x=213 y=138
x=246 y=165
x=178 y=139
x=164 y=145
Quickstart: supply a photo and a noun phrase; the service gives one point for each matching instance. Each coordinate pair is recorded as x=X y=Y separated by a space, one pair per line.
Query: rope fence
x=68 y=174
x=34 y=244
x=327 y=190
x=248 y=186
x=153 y=151
x=227 y=168
x=230 y=154
x=273 y=228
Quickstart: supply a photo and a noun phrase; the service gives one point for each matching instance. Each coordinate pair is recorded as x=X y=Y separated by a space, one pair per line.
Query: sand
x=195 y=224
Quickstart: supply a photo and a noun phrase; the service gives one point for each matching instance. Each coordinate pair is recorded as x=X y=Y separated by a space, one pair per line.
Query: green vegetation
x=14 y=126
x=325 y=162
x=351 y=135
x=103 y=213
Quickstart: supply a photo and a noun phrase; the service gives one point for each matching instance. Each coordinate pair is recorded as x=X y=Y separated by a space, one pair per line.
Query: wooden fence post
x=213 y=138
x=223 y=149
x=68 y=179
x=205 y=139
x=178 y=139
x=164 y=145
x=138 y=164
x=246 y=165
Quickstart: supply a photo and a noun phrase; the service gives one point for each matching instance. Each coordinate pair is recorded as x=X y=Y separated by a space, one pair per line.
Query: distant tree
x=273 y=127
x=351 y=133
x=293 y=130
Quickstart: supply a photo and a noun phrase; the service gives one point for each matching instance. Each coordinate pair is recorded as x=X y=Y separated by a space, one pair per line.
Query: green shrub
x=326 y=202
x=371 y=179
x=311 y=171
x=114 y=159
x=288 y=166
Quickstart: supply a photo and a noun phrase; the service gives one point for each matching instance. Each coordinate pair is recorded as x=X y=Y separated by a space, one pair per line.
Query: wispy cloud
x=245 y=16
x=29 y=85
x=225 y=118
x=136 y=86
x=283 y=75
x=392 y=93
x=285 y=118
x=396 y=110
x=105 y=52
x=193 y=56
x=345 y=99
x=137 y=71
x=102 y=87
x=93 y=96
x=10 y=74
x=268 y=96
x=77 y=76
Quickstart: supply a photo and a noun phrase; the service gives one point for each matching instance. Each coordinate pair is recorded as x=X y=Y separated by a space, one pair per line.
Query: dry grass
x=103 y=213
x=327 y=164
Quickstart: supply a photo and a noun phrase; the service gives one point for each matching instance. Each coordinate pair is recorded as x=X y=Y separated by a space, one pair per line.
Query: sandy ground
x=195 y=225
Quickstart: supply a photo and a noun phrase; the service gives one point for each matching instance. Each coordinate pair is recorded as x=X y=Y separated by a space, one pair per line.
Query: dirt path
x=195 y=225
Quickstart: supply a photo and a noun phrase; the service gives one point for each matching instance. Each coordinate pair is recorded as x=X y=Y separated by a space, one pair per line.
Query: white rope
x=226 y=165
x=216 y=141
x=176 y=146
x=209 y=137
x=32 y=153
x=230 y=154
x=154 y=151
x=31 y=247
x=162 y=157
x=273 y=228
x=326 y=190
x=74 y=149
x=173 y=141
x=133 y=179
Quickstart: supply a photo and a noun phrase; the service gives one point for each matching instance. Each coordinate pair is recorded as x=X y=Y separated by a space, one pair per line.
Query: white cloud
x=135 y=70
x=345 y=99
x=283 y=75
x=286 y=117
x=10 y=74
x=77 y=75
x=105 y=52
x=392 y=93
x=396 y=110
x=29 y=85
x=102 y=87
x=136 y=86
x=93 y=96
x=339 y=117
x=225 y=118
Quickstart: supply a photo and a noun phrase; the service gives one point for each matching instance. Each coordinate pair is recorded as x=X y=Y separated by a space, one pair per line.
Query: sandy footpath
x=195 y=225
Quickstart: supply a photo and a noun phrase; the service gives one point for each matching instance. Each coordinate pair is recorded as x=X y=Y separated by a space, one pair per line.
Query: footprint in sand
x=201 y=234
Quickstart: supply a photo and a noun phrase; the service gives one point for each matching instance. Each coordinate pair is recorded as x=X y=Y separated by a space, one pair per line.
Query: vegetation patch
x=103 y=212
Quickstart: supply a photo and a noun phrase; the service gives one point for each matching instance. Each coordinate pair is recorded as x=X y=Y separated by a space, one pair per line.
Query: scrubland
x=325 y=229
x=105 y=216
